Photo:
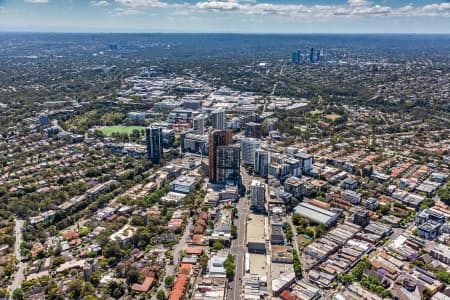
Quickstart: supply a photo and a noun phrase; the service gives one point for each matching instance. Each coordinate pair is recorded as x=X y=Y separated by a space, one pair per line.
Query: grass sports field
x=120 y=129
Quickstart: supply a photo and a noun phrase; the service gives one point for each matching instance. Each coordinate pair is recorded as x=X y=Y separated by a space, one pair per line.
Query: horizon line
x=220 y=32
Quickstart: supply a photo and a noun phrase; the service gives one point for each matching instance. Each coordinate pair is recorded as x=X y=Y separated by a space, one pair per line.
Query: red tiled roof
x=179 y=287
x=70 y=235
x=285 y=295
x=147 y=272
x=195 y=251
x=203 y=215
x=201 y=222
x=145 y=286
x=319 y=203
x=185 y=268
x=198 y=239
x=199 y=229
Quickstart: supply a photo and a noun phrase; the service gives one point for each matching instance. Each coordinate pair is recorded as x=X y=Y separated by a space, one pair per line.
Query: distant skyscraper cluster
x=311 y=56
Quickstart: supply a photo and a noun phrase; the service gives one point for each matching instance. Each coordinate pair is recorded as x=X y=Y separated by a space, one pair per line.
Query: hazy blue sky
x=261 y=16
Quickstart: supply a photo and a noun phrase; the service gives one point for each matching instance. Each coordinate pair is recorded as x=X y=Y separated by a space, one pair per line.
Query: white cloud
x=358 y=2
x=221 y=5
x=37 y=1
x=252 y=7
x=120 y=12
x=352 y=8
x=102 y=3
x=142 y=3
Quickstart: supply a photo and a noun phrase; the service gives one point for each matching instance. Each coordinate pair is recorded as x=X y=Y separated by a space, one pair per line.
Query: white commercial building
x=199 y=125
x=218 y=119
x=249 y=147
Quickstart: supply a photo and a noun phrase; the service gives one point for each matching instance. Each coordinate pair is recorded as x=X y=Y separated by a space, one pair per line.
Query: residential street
x=19 y=275
x=170 y=268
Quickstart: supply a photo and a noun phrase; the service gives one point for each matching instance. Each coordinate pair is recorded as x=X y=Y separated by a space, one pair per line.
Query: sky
x=227 y=16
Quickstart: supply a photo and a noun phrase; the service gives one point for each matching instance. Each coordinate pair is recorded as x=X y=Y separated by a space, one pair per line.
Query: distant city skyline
x=226 y=16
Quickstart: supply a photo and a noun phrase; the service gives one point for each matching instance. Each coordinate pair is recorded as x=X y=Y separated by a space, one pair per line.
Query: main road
x=238 y=245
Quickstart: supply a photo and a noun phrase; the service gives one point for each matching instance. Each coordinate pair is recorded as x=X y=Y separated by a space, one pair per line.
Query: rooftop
x=315 y=213
x=255 y=228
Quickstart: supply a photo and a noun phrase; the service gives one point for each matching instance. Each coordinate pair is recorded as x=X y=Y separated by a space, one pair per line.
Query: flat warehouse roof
x=315 y=213
x=255 y=228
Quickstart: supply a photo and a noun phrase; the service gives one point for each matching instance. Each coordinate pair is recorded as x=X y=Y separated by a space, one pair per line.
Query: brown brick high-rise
x=216 y=138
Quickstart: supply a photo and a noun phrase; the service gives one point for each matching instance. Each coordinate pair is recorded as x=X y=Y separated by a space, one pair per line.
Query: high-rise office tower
x=248 y=148
x=154 y=143
x=216 y=139
x=168 y=138
x=228 y=164
x=258 y=199
x=253 y=130
x=262 y=162
x=322 y=54
x=296 y=57
x=311 y=56
x=218 y=119
x=199 y=125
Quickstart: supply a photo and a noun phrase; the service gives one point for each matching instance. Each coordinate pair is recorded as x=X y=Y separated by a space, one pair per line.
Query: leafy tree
x=443 y=276
x=427 y=203
x=84 y=231
x=235 y=211
x=289 y=234
x=137 y=221
x=4 y=293
x=115 y=290
x=234 y=230
x=297 y=265
x=372 y=284
x=346 y=278
x=59 y=260
x=217 y=245
x=359 y=269
x=309 y=232
x=444 y=194
x=427 y=294
x=132 y=275
x=321 y=230
x=88 y=289
x=383 y=210
x=298 y=220
x=75 y=288
x=92 y=172
x=18 y=294
x=112 y=249
x=229 y=266
x=203 y=261
x=95 y=278
x=161 y=295
x=168 y=281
